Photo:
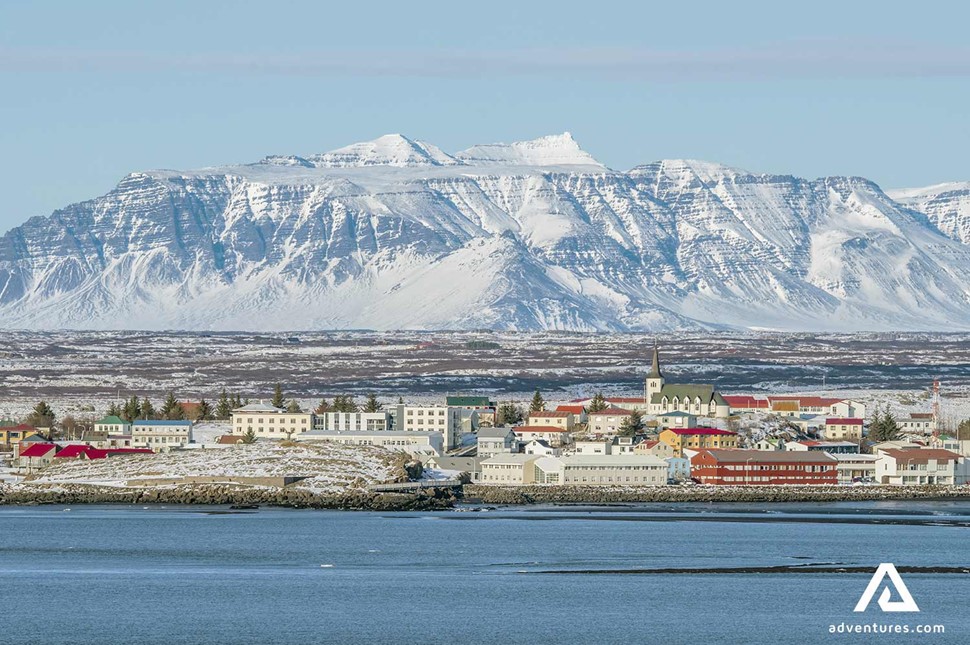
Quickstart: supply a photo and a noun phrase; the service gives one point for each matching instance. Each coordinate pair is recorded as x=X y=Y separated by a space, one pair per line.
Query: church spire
x=655 y=368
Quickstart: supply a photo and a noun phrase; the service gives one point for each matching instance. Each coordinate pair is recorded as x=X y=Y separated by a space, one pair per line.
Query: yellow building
x=12 y=435
x=698 y=439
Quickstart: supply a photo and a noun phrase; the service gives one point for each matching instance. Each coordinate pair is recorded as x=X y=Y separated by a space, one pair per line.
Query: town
x=673 y=434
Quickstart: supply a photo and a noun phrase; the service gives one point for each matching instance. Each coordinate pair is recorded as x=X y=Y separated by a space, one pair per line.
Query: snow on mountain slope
x=946 y=205
x=394 y=233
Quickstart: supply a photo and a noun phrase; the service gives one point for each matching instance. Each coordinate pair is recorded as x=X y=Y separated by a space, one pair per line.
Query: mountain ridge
x=396 y=233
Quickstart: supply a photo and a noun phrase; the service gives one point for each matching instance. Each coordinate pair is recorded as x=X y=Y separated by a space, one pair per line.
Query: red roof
x=610 y=412
x=77 y=450
x=523 y=429
x=18 y=428
x=843 y=422
x=808 y=401
x=625 y=399
x=127 y=451
x=696 y=431
x=745 y=401
x=556 y=414
x=651 y=443
x=921 y=455
x=37 y=450
x=572 y=409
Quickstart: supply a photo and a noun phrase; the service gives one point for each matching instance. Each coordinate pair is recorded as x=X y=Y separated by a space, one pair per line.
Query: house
x=920 y=466
x=843 y=429
x=112 y=425
x=496 y=441
x=607 y=420
x=555 y=436
x=654 y=447
x=918 y=422
x=763 y=468
x=577 y=410
x=601 y=470
x=469 y=465
x=475 y=410
x=587 y=447
x=794 y=405
x=678 y=468
x=770 y=443
x=697 y=439
x=624 y=445
x=10 y=436
x=741 y=403
x=412 y=442
x=855 y=467
x=894 y=445
x=265 y=420
x=831 y=447
x=697 y=399
x=677 y=420
x=429 y=418
x=36 y=456
x=509 y=469
x=84 y=451
x=541 y=448
x=564 y=420
x=161 y=435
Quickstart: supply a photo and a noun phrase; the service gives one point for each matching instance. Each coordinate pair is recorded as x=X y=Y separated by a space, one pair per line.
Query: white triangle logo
x=906 y=602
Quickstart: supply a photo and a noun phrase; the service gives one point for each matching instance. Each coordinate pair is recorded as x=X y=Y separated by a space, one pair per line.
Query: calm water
x=186 y=575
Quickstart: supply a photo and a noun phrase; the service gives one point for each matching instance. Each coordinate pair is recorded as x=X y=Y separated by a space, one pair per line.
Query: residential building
x=895 y=444
x=601 y=470
x=10 y=436
x=654 y=447
x=770 y=443
x=606 y=421
x=541 y=448
x=555 y=436
x=413 y=442
x=160 y=435
x=269 y=422
x=920 y=466
x=112 y=425
x=36 y=456
x=625 y=445
x=677 y=420
x=577 y=410
x=842 y=429
x=763 y=468
x=353 y=421
x=469 y=465
x=564 y=420
x=678 y=468
x=855 y=467
x=601 y=447
x=831 y=447
x=743 y=403
x=796 y=405
x=86 y=452
x=697 y=439
x=509 y=469
x=496 y=441
x=917 y=422
x=430 y=418
x=483 y=407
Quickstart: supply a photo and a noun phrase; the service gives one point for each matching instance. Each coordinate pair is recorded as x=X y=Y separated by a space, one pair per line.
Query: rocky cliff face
x=395 y=233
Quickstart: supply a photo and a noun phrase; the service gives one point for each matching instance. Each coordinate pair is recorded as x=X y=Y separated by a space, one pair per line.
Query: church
x=661 y=397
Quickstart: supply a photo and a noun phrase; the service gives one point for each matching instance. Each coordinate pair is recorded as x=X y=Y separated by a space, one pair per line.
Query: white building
x=509 y=469
x=415 y=443
x=161 y=435
x=270 y=422
x=920 y=466
x=856 y=467
x=601 y=470
x=918 y=422
x=560 y=419
x=430 y=418
x=353 y=421
x=496 y=441
x=541 y=448
x=555 y=436
x=606 y=421
x=603 y=447
x=112 y=425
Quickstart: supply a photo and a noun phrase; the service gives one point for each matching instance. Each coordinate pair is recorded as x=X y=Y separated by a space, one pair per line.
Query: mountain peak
x=550 y=150
x=394 y=150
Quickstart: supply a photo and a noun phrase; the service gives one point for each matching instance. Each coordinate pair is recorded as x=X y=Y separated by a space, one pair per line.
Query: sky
x=92 y=91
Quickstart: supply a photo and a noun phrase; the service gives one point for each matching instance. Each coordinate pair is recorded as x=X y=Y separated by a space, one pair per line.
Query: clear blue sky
x=94 y=90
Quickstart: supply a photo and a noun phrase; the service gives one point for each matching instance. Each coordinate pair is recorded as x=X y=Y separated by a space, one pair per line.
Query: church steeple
x=655 y=368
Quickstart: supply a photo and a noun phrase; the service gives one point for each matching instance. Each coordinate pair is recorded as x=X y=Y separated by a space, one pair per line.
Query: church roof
x=655 y=367
x=705 y=391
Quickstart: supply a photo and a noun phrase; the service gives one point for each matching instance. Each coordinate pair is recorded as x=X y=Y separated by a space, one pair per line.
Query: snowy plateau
x=535 y=235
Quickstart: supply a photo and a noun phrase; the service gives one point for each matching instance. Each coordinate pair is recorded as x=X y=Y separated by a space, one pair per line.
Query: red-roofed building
x=36 y=455
x=763 y=468
x=555 y=436
x=552 y=418
x=578 y=411
x=83 y=451
x=746 y=403
x=843 y=429
x=795 y=405
x=920 y=466
x=680 y=439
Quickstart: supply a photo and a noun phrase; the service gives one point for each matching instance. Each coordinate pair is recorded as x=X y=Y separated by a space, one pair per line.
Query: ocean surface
x=140 y=575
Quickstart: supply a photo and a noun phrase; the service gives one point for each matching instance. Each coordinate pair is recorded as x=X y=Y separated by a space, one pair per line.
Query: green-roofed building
x=695 y=399
x=112 y=425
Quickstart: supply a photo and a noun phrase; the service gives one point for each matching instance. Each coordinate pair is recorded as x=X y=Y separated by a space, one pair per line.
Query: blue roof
x=162 y=423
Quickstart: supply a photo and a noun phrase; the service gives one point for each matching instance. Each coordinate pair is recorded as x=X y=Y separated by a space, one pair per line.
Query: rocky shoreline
x=518 y=495
x=216 y=495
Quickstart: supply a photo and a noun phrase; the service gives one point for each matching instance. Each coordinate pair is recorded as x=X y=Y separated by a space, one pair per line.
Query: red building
x=763 y=467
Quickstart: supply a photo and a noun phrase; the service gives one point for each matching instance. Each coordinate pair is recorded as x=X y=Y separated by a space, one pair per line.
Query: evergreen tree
x=400 y=400
x=293 y=407
x=131 y=409
x=508 y=414
x=598 y=403
x=204 y=412
x=147 y=409
x=323 y=408
x=223 y=406
x=883 y=426
x=372 y=404
x=344 y=403
x=278 y=401
x=172 y=409
x=236 y=402
x=42 y=416
x=249 y=436
x=963 y=430
x=538 y=403
x=631 y=425
x=113 y=411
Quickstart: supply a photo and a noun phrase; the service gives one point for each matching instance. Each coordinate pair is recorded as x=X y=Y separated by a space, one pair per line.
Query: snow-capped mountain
x=396 y=233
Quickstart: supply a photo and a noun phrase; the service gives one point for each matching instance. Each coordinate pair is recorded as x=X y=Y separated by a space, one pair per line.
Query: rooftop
x=37 y=450
x=144 y=423
x=499 y=432
x=556 y=414
x=843 y=422
x=700 y=431
x=112 y=420
x=768 y=456
x=523 y=429
x=920 y=455
x=259 y=407
x=611 y=412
